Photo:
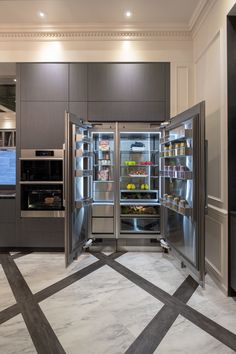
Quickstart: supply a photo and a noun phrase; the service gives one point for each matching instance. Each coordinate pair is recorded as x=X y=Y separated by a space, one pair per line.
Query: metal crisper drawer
x=102 y=225
x=103 y=210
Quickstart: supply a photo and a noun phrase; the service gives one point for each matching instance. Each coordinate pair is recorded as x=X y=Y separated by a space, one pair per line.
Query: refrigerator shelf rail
x=184 y=175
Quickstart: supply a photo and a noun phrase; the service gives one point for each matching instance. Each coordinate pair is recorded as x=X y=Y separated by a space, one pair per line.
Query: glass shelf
x=138 y=151
x=138 y=165
x=103 y=181
x=139 y=190
x=135 y=176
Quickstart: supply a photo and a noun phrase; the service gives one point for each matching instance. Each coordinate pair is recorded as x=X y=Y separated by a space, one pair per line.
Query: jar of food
x=169 y=201
x=171 y=151
x=181 y=172
x=170 y=171
x=182 y=204
x=164 y=201
x=166 y=151
x=176 y=203
x=182 y=148
x=177 y=147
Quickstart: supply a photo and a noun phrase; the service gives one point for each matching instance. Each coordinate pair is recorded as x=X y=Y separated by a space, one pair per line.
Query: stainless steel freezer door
x=77 y=186
x=183 y=188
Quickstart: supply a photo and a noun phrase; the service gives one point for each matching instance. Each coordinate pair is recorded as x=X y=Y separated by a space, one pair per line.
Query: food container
x=169 y=201
x=182 y=170
x=166 y=151
x=170 y=170
x=182 y=204
x=182 y=148
x=177 y=148
x=164 y=200
x=176 y=203
x=171 y=151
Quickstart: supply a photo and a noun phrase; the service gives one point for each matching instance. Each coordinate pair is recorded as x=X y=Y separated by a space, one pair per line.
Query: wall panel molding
x=182 y=74
x=219 y=218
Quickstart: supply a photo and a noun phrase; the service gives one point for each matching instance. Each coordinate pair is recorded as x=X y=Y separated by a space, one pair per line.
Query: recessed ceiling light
x=128 y=14
x=41 y=14
x=14 y=80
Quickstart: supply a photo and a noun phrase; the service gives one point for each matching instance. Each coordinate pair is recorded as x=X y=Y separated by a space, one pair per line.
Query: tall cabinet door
x=78 y=185
x=183 y=188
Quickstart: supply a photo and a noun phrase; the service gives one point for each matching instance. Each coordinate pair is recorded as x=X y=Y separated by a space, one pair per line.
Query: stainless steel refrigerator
x=183 y=193
x=119 y=176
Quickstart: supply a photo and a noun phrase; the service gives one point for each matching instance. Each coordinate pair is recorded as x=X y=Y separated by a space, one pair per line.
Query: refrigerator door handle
x=64 y=174
x=206 y=174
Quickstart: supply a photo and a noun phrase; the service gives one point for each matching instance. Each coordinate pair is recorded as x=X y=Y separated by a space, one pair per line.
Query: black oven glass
x=41 y=170
x=42 y=197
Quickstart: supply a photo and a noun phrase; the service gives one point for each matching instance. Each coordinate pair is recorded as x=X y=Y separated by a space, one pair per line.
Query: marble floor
x=134 y=302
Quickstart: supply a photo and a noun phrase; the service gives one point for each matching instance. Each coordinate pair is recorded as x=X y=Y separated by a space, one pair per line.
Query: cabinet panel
x=7 y=210
x=128 y=81
x=79 y=108
x=40 y=232
x=78 y=82
x=127 y=111
x=42 y=125
x=8 y=234
x=44 y=82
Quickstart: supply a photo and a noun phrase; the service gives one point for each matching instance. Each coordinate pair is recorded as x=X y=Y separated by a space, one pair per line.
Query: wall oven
x=41 y=180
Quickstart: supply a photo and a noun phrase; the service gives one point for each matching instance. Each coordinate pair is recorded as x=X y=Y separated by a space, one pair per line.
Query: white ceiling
x=99 y=12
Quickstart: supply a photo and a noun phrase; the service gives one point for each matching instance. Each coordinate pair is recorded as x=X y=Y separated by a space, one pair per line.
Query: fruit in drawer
x=131 y=186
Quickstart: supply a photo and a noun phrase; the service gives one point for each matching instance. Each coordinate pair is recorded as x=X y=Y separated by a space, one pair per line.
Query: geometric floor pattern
x=133 y=302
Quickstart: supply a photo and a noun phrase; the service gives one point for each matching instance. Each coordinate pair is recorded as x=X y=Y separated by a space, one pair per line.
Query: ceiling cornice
x=98 y=35
x=116 y=31
x=199 y=16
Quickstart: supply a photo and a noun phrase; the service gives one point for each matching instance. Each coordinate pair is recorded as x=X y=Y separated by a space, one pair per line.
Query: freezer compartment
x=103 y=225
x=140 y=225
x=103 y=210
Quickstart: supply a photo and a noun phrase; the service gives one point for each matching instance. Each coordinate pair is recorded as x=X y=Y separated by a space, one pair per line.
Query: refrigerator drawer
x=102 y=225
x=140 y=225
x=102 y=186
x=103 y=196
x=103 y=210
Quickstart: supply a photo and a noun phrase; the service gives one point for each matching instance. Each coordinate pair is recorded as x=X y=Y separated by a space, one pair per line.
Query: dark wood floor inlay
x=155 y=331
x=9 y=313
x=214 y=329
x=42 y=334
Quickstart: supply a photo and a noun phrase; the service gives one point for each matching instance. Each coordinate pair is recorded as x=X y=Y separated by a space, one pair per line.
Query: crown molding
x=199 y=16
x=94 y=32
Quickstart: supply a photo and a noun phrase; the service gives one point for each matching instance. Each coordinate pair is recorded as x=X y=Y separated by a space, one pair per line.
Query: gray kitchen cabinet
x=79 y=109
x=41 y=232
x=42 y=125
x=44 y=82
x=78 y=86
x=7 y=223
x=127 y=111
x=128 y=81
